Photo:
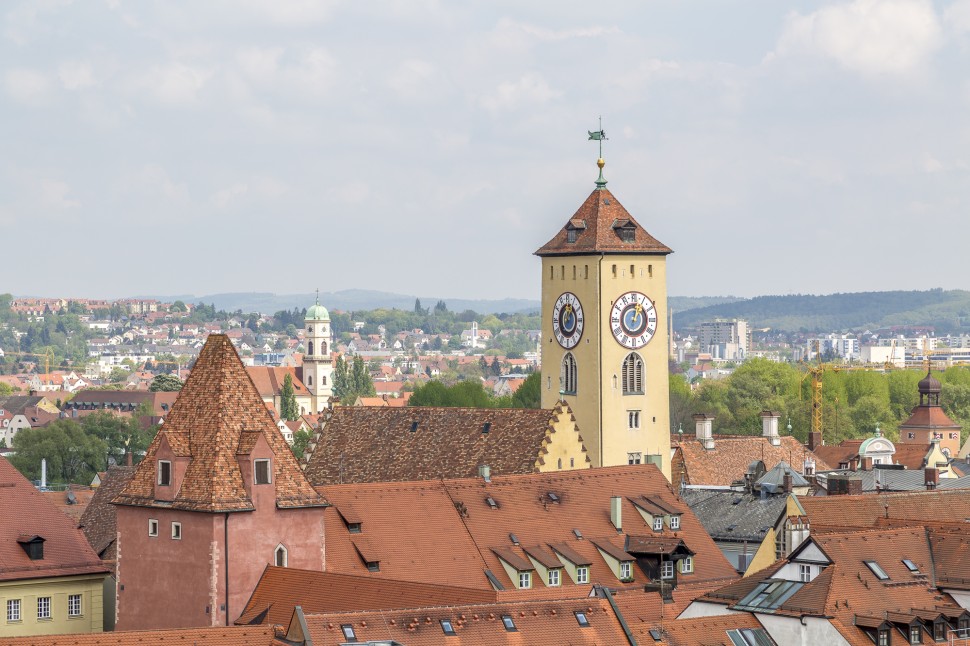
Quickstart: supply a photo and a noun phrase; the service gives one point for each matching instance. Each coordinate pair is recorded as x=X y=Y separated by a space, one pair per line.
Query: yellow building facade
x=604 y=332
x=52 y=606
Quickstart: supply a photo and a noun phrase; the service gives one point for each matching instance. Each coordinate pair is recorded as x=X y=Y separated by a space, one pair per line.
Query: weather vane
x=600 y=136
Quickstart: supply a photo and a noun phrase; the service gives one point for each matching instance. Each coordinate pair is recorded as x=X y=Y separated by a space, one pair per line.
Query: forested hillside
x=947 y=311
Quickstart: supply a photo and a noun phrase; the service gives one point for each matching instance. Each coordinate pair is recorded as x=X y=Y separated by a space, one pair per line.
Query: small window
x=13 y=609
x=177 y=531
x=164 y=473
x=915 y=635
x=570 y=235
x=632 y=372
x=633 y=419
x=939 y=631
x=582 y=574
x=568 y=375
x=553 y=577
x=626 y=570
x=614 y=271
x=354 y=528
x=804 y=573
x=348 y=632
x=73 y=605
x=525 y=580
x=658 y=523
x=43 y=607
x=675 y=522
x=667 y=570
x=634 y=458
x=582 y=620
x=262 y=472
x=687 y=565
x=373 y=566
x=309 y=380
x=912 y=567
x=280 y=556
x=877 y=570
x=911 y=436
x=447 y=628
x=152 y=527
x=883 y=637
x=508 y=623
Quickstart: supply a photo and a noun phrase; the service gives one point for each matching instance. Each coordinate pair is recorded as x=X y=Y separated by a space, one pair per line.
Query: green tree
x=300 y=441
x=341 y=379
x=73 y=456
x=165 y=383
x=5 y=389
x=178 y=306
x=288 y=408
x=122 y=434
x=118 y=375
x=361 y=382
x=469 y=394
x=529 y=394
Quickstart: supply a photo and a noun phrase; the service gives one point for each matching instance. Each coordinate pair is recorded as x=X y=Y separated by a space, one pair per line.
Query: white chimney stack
x=769 y=426
x=43 y=474
x=704 y=427
x=616 y=512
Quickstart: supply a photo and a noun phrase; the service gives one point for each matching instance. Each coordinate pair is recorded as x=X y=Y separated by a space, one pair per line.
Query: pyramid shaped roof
x=218 y=417
x=602 y=225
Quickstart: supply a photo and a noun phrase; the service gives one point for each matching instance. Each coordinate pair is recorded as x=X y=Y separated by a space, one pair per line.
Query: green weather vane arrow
x=600 y=136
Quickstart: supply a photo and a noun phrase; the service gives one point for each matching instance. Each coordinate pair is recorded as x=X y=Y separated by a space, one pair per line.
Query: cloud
x=541 y=33
x=957 y=16
x=75 y=75
x=288 y=12
x=224 y=197
x=528 y=90
x=412 y=77
x=871 y=37
x=175 y=84
x=53 y=194
x=26 y=86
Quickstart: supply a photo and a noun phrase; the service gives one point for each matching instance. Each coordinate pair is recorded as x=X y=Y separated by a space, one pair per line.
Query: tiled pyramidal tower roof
x=218 y=417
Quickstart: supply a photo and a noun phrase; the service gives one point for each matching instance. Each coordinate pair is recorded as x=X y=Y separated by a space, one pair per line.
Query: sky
x=429 y=148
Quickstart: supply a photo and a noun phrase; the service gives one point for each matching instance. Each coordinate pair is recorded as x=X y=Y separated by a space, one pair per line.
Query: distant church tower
x=604 y=331
x=317 y=362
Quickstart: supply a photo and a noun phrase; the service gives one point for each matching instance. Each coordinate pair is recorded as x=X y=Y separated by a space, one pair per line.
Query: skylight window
x=877 y=570
x=509 y=624
x=577 y=533
x=348 y=632
x=553 y=497
x=581 y=618
x=514 y=539
x=912 y=567
x=491 y=502
x=447 y=628
x=770 y=595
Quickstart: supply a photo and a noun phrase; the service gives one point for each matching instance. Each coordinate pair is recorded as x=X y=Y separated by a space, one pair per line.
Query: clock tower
x=317 y=362
x=604 y=331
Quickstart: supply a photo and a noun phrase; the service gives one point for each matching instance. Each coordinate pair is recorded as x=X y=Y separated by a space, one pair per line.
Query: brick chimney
x=703 y=427
x=867 y=464
x=769 y=426
x=932 y=478
x=814 y=440
x=787 y=482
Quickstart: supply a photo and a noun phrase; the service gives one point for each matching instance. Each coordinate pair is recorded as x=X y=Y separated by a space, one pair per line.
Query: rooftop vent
x=486 y=427
x=414 y=426
x=578 y=534
x=553 y=497
x=514 y=539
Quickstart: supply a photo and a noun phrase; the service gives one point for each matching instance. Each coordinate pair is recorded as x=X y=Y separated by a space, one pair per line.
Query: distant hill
x=946 y=311
x=350 y=300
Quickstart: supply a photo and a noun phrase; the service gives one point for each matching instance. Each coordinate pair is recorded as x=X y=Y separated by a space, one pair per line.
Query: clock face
x=567 y=320
x=633 y=320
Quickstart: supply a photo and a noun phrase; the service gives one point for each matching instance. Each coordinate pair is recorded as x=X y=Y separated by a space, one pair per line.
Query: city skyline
x=427 y=148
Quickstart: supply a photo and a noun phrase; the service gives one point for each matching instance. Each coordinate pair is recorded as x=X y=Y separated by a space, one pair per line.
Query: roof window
x=514 y=539
x=491 y=502
x=581 y=618
x=577 y=533
x=486 y=427
x=348 y=632
x=414 y=426
x=553 y=497
x=509 y=624
x=447 y=628
x=912 y=567
x=877 y=570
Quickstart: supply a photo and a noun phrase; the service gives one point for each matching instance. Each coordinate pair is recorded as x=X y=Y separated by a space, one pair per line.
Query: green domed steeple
x=317 y=312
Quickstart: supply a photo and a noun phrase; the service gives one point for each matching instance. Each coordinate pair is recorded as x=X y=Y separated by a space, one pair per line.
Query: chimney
x=769 y=426
x=932 y=478
x=127 y=458
x=787 y=482
x=703 y=428
x=616 y=512
x=809 y=467
x=814 y=440
x=867 y=464
x=43 y=474
x=485 y=472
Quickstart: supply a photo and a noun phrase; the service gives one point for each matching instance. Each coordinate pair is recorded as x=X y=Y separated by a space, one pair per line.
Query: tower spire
x=600 y=136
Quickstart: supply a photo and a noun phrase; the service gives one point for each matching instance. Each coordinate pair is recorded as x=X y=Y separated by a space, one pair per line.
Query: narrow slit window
x=164 y=473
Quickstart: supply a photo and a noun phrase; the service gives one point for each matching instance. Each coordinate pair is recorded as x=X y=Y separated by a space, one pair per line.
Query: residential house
x=384 y=443
x=269 y=382
x=121 y=402
x=217 y=496
x=18 y=412
x=50 y=579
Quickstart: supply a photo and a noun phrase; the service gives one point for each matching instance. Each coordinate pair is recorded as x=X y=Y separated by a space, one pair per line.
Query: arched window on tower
x=280 y=556
x=633 y=374
x=323 y=347
x=309 y=380
x=568 y=374
x=311 y=348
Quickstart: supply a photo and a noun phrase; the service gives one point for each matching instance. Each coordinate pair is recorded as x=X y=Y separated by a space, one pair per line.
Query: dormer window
x=675 y=522
x=164 y=473
x=582 y=574
x=261 y=472
x=687 y=565
x=658 y=523
x=626 y=571
x=525 y=580
x=667 y=570
x=553 y=577
x=33 y=546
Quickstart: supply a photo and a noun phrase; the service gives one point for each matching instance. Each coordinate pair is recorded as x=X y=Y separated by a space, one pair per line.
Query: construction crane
x=47 y=356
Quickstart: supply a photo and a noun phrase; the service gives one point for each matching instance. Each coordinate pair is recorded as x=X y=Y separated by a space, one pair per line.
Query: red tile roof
x=218 y=636
x=99 y=519
x=731 y=455
x=27 y=512
x=709 y=631
x=217 y=417
x=595 y=225
x=269 y=379
x=371 y=444
x=280 y=590
x=867 y=510
x=445 y=531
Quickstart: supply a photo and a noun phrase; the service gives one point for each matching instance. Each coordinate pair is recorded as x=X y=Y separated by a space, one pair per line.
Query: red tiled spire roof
x=597 y=227
x=217 y=417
